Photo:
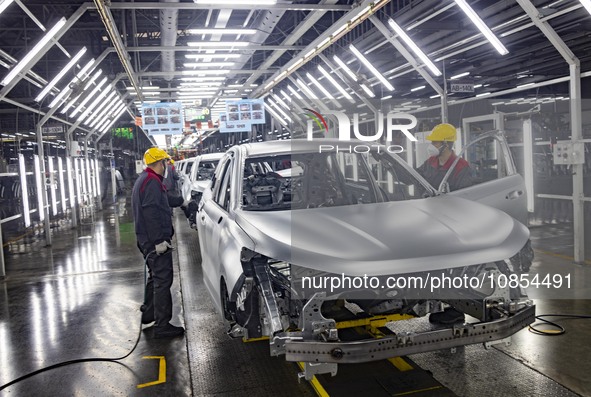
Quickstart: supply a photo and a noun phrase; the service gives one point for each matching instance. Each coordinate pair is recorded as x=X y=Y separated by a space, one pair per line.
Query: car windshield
x=315 y=180
x=206 y=169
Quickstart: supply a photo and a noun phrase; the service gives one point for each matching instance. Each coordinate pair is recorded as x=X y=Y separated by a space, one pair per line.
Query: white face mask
x=165 y=171
x=432 y=150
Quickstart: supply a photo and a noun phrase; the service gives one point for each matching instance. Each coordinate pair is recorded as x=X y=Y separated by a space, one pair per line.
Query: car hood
x=386 y=238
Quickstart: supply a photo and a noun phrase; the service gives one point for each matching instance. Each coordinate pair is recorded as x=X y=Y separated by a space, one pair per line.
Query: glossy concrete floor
x=80 y=298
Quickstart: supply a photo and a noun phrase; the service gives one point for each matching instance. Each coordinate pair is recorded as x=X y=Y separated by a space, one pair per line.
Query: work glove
x=163 y=247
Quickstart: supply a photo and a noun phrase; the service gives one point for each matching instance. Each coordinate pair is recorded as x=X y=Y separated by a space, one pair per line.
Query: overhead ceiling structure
x=88 y=64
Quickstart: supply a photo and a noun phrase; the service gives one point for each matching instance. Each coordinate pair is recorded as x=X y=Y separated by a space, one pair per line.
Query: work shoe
x=168 y=331
x=448 y=316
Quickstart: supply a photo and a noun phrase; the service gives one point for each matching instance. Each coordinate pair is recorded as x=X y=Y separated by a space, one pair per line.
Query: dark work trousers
x=158 y=299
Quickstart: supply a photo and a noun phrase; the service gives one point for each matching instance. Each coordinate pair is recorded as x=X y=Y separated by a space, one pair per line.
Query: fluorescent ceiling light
x=61 y=74
x=273 y=104
x=202 y=79
x=418 y=52
x=16 y=69
x=3 y=5
x=334 y=82
x=387 y=97
x=196 y=92
x=483 y=94
x=294 y=92
x=218 y=44
x=274 y=114
x=457 y=76
x=66 y=90
x=291 y=67
x=100 y=116
x=371 y=68
x=59 y=97
x=89 y=96
x=144 y=88
x=525 y=85
x=204 y=72
x=280 y=101
x=585 y=3
x=102 y=106
x=478 y=86
x=435 y=96
x=201 y=84
x=88 y=84
x=305 y=89
x=367 y=90
x=94 y=103
x=319 y=86
x=208 y=64
x=417 y=88
x=220 y=31
x=345 y=67
x=211 y=56
x=86 y=68
x=482 y=26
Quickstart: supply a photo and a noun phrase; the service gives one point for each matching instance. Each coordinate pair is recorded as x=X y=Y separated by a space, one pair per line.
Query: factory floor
x=80 y=298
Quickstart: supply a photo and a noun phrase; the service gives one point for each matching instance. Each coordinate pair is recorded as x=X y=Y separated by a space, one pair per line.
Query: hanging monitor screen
x=165 y=118
x=245 y=111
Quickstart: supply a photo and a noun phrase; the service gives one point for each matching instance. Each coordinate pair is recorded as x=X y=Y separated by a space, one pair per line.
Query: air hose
x=89 y=359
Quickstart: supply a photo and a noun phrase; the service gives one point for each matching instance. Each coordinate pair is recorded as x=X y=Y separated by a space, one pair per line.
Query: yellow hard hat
x=172 y=161
x=442 y=132
x=154 y=154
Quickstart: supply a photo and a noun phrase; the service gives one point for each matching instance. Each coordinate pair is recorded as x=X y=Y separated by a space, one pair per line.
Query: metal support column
x=577 y=136
x=575 y=119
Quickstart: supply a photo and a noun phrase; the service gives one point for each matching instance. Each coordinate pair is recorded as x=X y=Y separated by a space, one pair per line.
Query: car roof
x=211 y=156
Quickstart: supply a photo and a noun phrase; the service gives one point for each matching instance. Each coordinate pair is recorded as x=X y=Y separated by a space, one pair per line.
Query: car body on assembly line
x=279 y=214
x=200 y=176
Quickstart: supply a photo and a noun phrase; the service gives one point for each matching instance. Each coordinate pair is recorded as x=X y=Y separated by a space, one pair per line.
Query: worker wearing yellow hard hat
x=152 y=216
x=442 y=157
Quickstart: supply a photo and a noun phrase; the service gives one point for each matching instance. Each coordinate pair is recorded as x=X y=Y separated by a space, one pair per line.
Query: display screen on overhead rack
x=250 y=111
x=197 y=113
x=164 y=118
x=226 y=127
x=122 y=132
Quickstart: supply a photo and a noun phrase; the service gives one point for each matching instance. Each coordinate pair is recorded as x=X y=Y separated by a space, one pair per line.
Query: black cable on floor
x=85 y=360
x=558 y=329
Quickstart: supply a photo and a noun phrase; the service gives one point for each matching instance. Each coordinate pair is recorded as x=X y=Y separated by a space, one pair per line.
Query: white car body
x=279 y=208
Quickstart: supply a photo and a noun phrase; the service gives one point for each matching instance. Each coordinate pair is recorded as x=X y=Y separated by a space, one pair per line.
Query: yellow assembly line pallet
x=398 y=376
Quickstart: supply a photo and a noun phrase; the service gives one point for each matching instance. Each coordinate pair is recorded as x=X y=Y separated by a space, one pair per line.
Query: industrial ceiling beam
x=413 y=62
x=576 y=123
x=250 y=47
x=295 y=35
x=27 y=67
x=235 y=6
x=115 y=37
x=354 y=17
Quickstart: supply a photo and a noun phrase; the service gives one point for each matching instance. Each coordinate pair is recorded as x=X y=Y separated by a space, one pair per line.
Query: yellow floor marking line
x=248 y=340
x=315 y=384
x=161 y=372
x=407 y=393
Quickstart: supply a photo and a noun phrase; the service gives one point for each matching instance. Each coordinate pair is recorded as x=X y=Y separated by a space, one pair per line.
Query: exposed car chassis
x=323 y=356
x=317 y=342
